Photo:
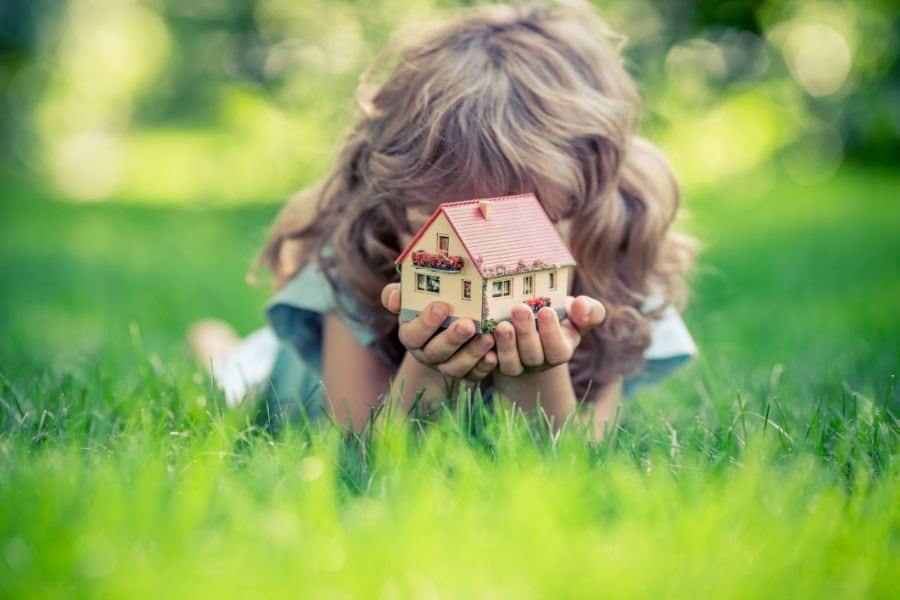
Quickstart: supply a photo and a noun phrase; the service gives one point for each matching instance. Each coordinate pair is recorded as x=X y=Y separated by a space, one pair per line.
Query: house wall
x=501 y=308
x=451 y=284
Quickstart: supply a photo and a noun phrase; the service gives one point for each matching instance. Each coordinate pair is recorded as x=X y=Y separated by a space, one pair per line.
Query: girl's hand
x=523 y=347
x=455 y=351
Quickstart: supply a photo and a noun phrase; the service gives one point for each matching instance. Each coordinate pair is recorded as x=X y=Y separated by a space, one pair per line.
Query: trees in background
x=237 y=100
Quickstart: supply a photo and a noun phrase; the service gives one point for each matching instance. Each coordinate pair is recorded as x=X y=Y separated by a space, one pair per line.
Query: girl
x=498 y=101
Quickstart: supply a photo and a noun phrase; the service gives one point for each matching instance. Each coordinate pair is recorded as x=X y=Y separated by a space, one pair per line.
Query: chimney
x=485 y=207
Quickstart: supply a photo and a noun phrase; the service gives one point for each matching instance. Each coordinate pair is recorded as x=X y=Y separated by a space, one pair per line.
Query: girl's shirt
x=290 y=350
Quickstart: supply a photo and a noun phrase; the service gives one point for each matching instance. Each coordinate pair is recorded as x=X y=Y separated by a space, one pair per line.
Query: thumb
x=585 y=313
x=390 y=297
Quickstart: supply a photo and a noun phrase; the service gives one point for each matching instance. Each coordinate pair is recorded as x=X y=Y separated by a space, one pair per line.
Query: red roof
x=518 y=237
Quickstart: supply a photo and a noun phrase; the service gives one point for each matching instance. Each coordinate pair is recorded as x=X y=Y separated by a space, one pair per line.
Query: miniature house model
x=483 y=257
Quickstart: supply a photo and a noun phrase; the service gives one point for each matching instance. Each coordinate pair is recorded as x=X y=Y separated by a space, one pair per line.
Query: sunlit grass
x=767 y=468
x=167 y=498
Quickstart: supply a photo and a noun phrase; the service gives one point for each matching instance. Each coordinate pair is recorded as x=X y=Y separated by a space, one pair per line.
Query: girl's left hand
x=523 y=346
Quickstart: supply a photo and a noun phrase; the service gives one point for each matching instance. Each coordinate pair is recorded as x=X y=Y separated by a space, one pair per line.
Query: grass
x=767 y=468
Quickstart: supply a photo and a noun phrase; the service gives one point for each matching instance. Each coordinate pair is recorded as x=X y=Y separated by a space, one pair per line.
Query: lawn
x=769 y=467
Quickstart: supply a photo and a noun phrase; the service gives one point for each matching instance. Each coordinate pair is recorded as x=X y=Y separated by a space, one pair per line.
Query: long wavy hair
x=500 y=100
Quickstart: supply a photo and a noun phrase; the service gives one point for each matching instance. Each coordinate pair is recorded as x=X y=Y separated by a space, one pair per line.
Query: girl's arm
x=356 y=379
x=553 y=388
x=353 y=375
x=603 y=408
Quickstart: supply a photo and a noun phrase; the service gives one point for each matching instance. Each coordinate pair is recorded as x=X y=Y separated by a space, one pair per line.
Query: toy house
x=483 y=257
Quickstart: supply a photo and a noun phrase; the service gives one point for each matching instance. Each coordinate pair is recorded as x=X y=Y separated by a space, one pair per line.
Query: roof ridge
x=492 y=198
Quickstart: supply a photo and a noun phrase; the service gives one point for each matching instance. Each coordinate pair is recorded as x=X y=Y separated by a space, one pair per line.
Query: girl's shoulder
x=297 y=311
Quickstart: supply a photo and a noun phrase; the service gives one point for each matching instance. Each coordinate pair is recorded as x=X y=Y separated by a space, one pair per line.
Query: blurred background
x=146 y=145
x=242 y=101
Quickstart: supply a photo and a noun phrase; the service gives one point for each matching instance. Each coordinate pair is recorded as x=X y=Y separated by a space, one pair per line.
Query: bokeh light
x=87 y=165
x=243 y=101
x=816 y=154
x=108 y=53
x=817 y=56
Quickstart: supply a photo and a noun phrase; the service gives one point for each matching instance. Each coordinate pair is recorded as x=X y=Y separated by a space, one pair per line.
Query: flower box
x=441 y=262
x=536 y=304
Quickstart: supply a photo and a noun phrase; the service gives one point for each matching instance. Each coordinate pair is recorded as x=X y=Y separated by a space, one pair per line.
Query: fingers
x=585 y=313
x=445 y=344
x=524 y=344
x=557 y=346
x=456 y=351
x=416 y=333
x=528 y=341
x=507 y=350
x=484 y=367
x=471 y=360
x=390 y=297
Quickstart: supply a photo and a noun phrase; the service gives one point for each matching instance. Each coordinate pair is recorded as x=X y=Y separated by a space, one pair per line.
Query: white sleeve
x=671 y=347
x=670 y=337
x=247 y=365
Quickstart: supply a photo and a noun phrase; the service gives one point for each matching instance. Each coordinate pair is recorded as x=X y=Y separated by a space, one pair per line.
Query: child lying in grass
x=497 y=101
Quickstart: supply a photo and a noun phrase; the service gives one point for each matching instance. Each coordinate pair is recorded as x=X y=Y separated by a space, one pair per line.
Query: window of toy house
x=502 y=288
x=528 y=285
x=552 y=280
x=428 y=283
x=467 y=289
x=444 y=244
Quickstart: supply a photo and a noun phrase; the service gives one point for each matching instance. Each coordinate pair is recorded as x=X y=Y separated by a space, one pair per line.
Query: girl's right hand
x=529 y=344
x=455 y=351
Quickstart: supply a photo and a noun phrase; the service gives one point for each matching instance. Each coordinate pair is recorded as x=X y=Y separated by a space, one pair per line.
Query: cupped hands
x=523 y=345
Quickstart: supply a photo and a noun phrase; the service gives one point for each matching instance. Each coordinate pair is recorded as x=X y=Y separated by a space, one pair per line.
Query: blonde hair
x=501 y=100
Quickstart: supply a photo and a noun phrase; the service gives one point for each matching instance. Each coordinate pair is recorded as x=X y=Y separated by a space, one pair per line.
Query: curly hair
x=496 y=101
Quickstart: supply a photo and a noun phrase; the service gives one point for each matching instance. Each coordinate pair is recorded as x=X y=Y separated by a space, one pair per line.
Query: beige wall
x=450 y=282
x=500 y=308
